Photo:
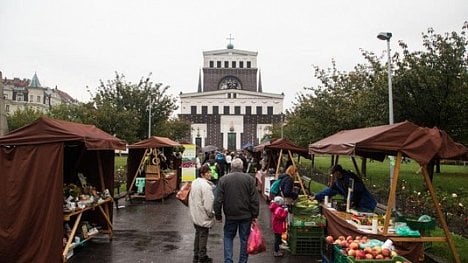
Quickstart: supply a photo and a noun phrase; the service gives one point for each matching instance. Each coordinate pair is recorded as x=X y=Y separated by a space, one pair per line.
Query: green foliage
x=174 y=129
x=22 y=117
x=122 y=107
x=431 y=86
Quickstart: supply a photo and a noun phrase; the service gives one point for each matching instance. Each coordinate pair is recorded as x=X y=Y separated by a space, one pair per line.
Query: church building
x=230 y=109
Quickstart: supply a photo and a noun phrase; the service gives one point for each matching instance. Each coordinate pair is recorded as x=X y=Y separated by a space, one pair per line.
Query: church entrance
x=231 y=141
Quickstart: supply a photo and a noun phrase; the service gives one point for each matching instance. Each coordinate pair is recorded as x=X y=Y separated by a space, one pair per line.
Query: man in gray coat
x=237 y=196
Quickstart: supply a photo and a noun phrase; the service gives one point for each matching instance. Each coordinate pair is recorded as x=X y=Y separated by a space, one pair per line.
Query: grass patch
x=442 y=249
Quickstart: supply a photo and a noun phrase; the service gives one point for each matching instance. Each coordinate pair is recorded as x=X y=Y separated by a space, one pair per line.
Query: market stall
x=36 y=162
x=400 y=139
x=272 y=156
x=150 y=171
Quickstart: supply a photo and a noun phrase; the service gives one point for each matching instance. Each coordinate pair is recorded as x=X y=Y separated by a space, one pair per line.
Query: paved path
x=162 y=231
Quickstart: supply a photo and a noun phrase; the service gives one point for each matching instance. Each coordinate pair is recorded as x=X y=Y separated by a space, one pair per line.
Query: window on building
x=19 y=97
x=215 y=110
x=233 y=64
x=7 y=108
x=249 y=64
x=211 y=64
x=204 y=110
x=31 y=98
x=234 y=95
x=218 y=64
x=241 y=64
x=270 y=110
x=193 y=110
x=259 y=110
x=38 y=99
x=248 y=110
x=237 y=110
x=226 y=64
x=226 y=110
x=229 y=95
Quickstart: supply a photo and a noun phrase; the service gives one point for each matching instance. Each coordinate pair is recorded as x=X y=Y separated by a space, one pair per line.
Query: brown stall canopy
x=282 y=144
x=418 y=143
x=35 y=162
x=154 y=142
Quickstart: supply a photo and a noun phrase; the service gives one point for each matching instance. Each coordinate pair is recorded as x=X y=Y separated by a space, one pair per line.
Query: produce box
x=305 y=245
x=393 y=260
x=306 y=231
x=339 y=257
x=306 y=220
x=424 y=227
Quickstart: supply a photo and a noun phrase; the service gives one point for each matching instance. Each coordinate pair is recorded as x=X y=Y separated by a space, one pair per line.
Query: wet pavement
x=161 y=231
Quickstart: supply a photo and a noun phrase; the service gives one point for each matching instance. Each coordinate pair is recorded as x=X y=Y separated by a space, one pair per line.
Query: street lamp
x=150 y=105
x=386 y=36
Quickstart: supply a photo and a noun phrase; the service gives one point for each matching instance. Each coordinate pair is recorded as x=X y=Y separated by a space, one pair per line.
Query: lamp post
x=150 y=101
x=387 y=36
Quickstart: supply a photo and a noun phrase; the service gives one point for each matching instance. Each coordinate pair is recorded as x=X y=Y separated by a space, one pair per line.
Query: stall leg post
x=391 y=196
x=440 y=215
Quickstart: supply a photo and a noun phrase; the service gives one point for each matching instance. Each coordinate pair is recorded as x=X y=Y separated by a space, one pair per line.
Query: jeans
x=199 y=244
x=278 y=241
x=230 y=230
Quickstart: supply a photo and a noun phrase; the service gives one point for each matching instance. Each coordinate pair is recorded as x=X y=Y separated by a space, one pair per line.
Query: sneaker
x=284 y=247
x=278 y=254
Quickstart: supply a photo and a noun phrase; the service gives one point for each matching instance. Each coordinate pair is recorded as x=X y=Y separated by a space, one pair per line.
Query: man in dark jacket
x=361 y=198
x=237 y=197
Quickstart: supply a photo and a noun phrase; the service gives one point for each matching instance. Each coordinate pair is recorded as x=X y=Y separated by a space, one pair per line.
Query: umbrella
x=248 y=146
x=209 y=148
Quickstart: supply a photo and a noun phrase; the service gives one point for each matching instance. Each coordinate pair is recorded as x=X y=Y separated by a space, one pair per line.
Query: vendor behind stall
x=361 y=198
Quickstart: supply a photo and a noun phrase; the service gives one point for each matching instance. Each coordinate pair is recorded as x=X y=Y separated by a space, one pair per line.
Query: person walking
x=278 y=223
x=201 y=200
x=237 y=197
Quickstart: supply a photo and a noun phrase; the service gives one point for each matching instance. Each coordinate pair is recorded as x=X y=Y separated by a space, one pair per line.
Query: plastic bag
x=183 y=194
x=255 y=243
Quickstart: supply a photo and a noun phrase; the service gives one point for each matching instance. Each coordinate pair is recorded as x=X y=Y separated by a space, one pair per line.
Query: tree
x=342 y=100
x=431 y=86
x=122 y=107
x=22 y=117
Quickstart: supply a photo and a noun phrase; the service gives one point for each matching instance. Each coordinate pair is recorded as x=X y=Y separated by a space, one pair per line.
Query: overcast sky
x=74 y=44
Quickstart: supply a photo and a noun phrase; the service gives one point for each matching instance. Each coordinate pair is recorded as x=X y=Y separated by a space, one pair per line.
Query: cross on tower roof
x=230 y=45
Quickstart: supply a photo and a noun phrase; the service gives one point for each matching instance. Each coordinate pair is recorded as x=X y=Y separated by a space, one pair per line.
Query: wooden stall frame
x=391 y=202
x=297 y=176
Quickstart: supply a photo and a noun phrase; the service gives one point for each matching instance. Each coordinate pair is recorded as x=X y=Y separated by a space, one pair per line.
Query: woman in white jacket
x=201 y=210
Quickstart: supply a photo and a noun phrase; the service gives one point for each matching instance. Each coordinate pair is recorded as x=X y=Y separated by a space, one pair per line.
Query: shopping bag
x=255 y=243
x=183 y=194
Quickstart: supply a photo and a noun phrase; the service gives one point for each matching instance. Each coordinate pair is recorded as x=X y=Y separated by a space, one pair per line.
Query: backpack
x=214 y=171
x=275 y=187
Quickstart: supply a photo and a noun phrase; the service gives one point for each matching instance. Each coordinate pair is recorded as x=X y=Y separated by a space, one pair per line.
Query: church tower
x=230 y=109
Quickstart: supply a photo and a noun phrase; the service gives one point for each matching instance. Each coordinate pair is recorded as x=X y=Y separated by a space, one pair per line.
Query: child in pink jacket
x=278 y=221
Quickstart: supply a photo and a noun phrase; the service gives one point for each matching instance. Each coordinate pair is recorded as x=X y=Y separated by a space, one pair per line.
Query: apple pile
x=351 y=247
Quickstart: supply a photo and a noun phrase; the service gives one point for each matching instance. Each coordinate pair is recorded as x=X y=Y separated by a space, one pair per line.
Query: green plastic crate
x=393 y=260
x=339 y=257
x=423 y=227
x=305 y=246
x=306 y=231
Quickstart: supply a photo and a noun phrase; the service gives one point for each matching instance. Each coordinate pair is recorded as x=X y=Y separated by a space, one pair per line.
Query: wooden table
x=411 y=248
x=79 y=213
